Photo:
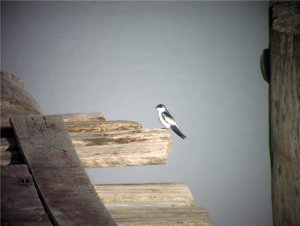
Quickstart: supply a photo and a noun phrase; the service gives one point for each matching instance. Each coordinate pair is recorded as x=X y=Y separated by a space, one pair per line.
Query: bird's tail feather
x=178 y=132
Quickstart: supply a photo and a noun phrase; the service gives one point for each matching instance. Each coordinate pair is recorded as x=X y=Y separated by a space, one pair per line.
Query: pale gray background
x=201 y=59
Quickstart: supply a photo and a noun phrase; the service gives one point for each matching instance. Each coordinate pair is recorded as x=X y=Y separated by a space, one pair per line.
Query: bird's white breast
x=165 y=124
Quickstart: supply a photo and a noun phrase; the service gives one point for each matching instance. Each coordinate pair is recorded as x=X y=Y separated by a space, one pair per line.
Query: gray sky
x=200 y=59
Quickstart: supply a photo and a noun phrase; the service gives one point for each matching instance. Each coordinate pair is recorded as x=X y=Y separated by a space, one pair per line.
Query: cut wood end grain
x=152 y=204
x=125 y=148
x=131 y=154
x=120 y=137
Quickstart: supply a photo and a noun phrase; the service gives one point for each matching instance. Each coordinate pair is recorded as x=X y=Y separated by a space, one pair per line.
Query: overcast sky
x=200 y=59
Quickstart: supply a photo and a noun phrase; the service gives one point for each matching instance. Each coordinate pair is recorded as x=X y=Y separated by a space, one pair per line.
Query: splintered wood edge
x=119 y=137
x=146 y=152
x=123 y=154
x=125 y=142
x=138 y=147
x=102 y=126
x=84 y=117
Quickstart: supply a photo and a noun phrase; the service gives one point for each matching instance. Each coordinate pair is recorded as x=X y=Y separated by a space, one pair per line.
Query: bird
x=167 y=120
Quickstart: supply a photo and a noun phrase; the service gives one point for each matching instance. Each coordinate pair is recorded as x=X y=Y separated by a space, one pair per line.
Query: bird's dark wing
x=168 y=118
x=178 y=132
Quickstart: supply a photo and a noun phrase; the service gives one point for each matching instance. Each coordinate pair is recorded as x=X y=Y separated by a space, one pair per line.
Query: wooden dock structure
x=43 y=180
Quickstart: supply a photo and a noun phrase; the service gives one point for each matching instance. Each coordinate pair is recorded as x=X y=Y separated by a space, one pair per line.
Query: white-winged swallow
x=167 y=120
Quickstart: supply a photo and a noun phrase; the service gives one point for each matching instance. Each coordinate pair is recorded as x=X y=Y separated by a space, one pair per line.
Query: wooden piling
x=284 y=99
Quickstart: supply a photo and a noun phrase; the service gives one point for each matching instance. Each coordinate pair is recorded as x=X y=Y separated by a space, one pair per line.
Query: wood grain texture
x=20 y=204
x=62 y=183
x=83 y=117
x=152 y=204
x=77 y=120
x=145 y=195
x=14 y=99
x=101 y=143
x=154 y=216
x=122 y=147
x=284 y=99
x=103 y=126
x=286 y=16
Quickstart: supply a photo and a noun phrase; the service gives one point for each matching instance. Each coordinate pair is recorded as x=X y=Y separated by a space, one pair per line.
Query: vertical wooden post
x=284 y=99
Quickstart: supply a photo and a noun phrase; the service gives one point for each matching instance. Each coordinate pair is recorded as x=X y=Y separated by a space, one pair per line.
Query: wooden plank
x=120 y=137
x=165 y=216
x=20 y=204
x=83 y=117
x=62 y=183
x=152 y=204
x=122 y=148
x=284 y=106
x=102 y=126
x=73 y=119
x=112 y=143
x=145 y=195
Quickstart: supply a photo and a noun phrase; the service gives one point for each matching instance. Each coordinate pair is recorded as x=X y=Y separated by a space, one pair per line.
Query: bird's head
x=160 y=107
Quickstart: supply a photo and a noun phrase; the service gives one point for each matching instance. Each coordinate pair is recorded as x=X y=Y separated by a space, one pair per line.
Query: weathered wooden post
x=284 y=100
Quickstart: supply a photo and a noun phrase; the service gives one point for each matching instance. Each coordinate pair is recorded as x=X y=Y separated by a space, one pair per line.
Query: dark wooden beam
x=284 y=99
x=63 y=185
x=20 y=204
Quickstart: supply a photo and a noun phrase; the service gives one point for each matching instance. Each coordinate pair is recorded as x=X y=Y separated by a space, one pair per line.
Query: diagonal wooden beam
x=63 y=185
x=20 y=204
